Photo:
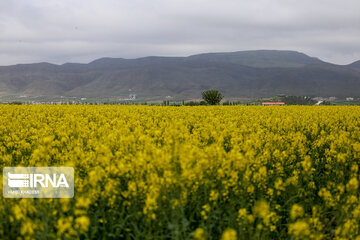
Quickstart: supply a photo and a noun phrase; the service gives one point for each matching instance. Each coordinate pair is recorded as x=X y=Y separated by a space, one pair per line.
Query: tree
x=212 y=97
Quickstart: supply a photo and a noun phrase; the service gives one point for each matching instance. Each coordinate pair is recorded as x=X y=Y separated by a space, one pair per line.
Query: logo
x=38 y=182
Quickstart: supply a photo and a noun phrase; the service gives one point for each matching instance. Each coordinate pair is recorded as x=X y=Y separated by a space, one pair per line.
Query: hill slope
x=237 y=74
x=355 y=65
x=261 y=58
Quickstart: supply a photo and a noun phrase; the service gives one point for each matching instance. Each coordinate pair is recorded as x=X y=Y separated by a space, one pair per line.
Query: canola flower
x=229 y=234
x=222 y=172
x=200 y=234
x=296 y=211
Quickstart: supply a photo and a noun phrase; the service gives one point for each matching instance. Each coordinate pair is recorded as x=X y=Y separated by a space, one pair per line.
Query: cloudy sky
x=60 y=31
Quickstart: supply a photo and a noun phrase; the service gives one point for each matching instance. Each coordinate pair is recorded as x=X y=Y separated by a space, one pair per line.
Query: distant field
x=150 y=172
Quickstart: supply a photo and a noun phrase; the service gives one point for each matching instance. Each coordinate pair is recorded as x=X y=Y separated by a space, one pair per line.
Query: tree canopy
x=212 y=97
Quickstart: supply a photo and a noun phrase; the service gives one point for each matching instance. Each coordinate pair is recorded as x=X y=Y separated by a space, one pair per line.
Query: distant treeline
x=296 y=100
x=288 y=100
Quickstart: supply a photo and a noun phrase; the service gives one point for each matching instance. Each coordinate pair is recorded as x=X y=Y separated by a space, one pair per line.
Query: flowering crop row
x=227 y=172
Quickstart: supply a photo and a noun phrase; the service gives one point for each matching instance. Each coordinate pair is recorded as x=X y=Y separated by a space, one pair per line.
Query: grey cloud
x=80 y=31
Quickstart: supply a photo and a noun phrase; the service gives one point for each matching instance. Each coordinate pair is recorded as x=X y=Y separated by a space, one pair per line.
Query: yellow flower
x=200 y=234
x=250 y=189
x=261 y=209
x=299 y=229
x=229 y=234
x=82 y=223
x=83 y=202
x=296 y=211
x=17 y=212
x=353 y=184
x=27 y=228
x=205 y=211
x=279 y=184
x=250 y=218
x=242 y=213
x=64 y=225
x=214 y=195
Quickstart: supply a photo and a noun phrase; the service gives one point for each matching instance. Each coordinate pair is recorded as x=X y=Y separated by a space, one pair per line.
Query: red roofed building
x=272 y=103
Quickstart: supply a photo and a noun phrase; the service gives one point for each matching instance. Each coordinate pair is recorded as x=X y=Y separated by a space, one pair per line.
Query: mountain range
x=259 y=73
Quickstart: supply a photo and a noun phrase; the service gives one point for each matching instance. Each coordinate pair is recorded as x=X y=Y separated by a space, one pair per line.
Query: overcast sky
x=60 y=31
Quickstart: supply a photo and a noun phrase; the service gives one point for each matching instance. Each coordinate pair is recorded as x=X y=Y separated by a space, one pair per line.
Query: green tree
x=212 y=97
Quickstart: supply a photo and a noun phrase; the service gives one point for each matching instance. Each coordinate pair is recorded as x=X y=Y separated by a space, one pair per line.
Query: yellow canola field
x=222 y=172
